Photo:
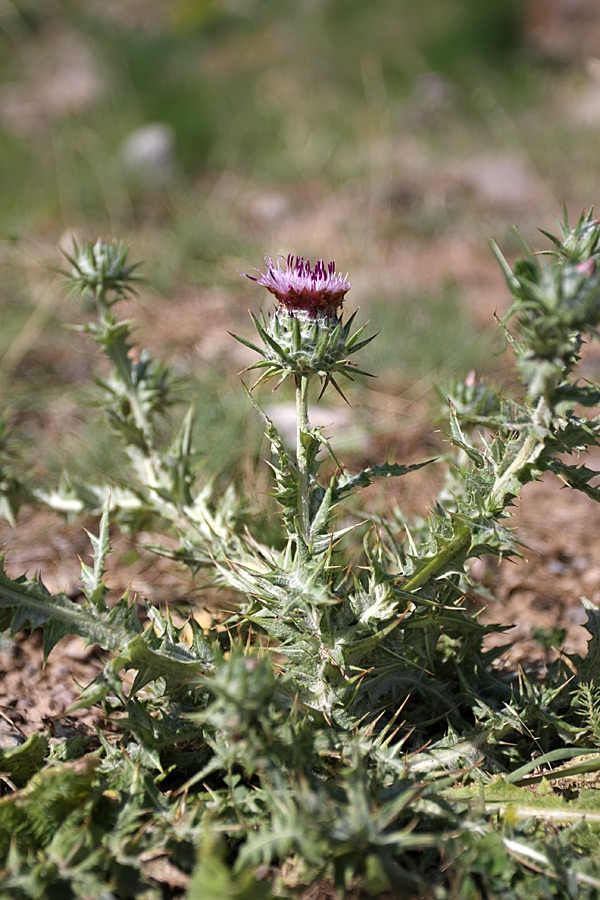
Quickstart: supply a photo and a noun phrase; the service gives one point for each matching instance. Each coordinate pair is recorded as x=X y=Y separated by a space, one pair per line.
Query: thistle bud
x=583 y=241
x=102 y=268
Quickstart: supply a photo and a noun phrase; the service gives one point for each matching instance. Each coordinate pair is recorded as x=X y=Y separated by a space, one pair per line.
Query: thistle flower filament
x=300 y=287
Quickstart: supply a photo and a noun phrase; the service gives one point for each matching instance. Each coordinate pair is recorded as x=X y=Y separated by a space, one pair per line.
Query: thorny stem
x=525 y=454
x=150 y=464
x=302 y=426
x=461 y=540
x=147 y=460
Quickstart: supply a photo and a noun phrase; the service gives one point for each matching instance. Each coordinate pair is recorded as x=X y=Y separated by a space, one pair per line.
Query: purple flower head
x=299 y=286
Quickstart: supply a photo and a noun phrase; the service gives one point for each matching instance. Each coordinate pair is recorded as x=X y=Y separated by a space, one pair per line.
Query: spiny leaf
x=348 y=482
x=576 y=394
x=459 y=439
x=590 y=666
x=91 y=579
x=32 y=605
x=247 y=343
x=20 y=763
x=41 y=808
x=321 y=519
x=577 y=477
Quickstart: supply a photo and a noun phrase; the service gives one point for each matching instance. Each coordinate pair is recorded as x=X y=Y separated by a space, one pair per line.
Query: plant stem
x=458 y=544
x=302 y=426
x=524 y=456
x=496 y=501
x=148 y=461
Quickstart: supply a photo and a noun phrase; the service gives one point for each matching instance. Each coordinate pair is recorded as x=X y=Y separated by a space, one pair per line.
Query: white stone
x=150 y=152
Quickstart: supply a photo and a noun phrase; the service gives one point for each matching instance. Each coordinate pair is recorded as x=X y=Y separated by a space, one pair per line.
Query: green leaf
x=20 y=763
x=247 y=343
x=576 y=477
x=27 y=604
x=213 y=879
x=519 y=775
x=91 y=579
x=348 y=482
x=590 y=666
x=322 y=517
x=575 y=394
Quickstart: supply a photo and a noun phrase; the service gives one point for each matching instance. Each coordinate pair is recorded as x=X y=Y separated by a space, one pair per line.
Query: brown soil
x=560 y=528
x=467 y=199
x=542 y=590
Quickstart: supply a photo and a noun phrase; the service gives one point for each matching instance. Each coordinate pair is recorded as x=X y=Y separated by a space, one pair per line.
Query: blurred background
x=392 y=136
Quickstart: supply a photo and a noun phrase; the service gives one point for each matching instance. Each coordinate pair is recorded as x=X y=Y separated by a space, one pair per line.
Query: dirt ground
x=476 y=195
x=560 y=565
x=560 y=528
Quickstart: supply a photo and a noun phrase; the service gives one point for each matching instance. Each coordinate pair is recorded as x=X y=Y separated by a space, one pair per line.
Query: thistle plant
x=348 y=720
x=306 y=337
x=138 y=392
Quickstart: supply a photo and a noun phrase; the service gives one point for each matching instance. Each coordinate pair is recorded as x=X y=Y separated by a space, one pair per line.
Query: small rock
x=577 y=615
x=591 y=578
x=337 y=421
x=557 y=567
x=149 y=153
